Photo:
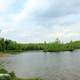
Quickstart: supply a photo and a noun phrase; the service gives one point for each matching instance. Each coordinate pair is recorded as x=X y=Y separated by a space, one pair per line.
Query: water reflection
x=50 y=66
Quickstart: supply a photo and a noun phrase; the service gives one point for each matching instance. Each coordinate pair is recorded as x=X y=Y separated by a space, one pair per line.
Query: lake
x=48 y=66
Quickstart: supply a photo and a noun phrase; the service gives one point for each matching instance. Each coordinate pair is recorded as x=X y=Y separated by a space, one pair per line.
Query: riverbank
x=3 y=54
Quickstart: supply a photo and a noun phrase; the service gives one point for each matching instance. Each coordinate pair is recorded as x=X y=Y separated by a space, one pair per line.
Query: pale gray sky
x=40 y=20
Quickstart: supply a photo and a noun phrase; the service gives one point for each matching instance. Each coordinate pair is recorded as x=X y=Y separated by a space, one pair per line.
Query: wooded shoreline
x=9 y=46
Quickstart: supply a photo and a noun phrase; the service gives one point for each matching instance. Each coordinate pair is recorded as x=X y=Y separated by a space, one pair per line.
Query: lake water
x=50 y=66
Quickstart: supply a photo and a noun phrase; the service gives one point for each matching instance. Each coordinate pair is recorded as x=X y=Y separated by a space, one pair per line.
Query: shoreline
x=3 y=54
x=8 y=53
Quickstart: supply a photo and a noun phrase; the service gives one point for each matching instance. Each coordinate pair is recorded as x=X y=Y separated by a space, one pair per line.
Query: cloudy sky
x=40 y=20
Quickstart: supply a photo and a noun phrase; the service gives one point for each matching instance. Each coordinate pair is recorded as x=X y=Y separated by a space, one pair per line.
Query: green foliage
x=3 y=71
x=8 y=45
x=5 y=78
x=13 y=76
x=4 y=75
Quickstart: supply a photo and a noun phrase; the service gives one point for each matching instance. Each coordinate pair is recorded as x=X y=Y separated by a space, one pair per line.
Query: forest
x=56 y=46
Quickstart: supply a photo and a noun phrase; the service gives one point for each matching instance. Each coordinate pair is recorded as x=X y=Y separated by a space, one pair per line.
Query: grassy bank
x=8 y=46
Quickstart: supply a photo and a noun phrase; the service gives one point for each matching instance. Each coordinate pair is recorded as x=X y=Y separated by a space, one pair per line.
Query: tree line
x=57 y=45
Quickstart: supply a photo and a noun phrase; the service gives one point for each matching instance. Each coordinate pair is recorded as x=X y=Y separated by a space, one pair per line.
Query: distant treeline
x=56 y=46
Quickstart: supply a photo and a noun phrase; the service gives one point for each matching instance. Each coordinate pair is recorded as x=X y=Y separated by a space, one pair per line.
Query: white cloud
x=66 y=33
x=36 y=21
x=30 y=7
x=5 y=4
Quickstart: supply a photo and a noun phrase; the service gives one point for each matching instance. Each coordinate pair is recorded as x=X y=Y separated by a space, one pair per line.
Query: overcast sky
x=40 y=20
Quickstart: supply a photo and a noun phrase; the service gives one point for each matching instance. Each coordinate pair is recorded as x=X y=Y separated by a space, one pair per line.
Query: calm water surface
x=50 y=66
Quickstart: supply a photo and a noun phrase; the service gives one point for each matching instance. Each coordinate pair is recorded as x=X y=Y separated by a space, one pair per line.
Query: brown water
x=50 y=66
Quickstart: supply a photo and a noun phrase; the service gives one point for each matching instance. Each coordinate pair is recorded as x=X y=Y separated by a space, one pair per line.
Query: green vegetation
x=5 y=75
x=3 y=71
x=57 y=46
